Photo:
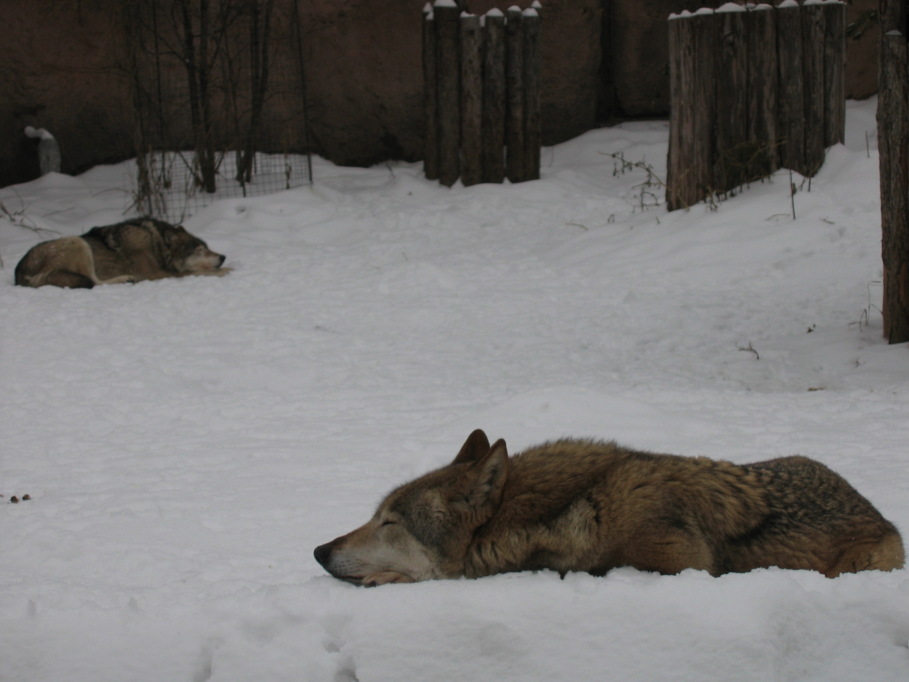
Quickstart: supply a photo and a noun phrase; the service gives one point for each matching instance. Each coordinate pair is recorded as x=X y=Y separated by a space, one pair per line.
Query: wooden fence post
x=533 y=133
x=494 y=97
x=893 y=143
x=514 y=85
x=834 y=72
x=731 y=82
x=430 y=97
x=763 y=87
x=448 y=72
x=482 y=94
x=791 y=125
x=471 y=100
x=679 y=114
x=813 y=55
x=691 y=69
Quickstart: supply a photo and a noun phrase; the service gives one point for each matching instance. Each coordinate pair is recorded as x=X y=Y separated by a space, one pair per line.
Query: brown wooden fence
x=482 y=94
x=893 y=145
x=752 y=89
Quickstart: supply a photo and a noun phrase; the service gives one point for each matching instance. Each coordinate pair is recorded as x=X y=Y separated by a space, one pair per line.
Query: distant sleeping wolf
x=582 y=505
x=131 y=251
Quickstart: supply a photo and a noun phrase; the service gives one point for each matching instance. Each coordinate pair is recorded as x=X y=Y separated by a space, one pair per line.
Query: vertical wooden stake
x=515 y=165
x=471 y=100
x=813 y=54
x=430 y=98
x=791 y=121
x=448 y=73
x=533 y=126
x=494 y=97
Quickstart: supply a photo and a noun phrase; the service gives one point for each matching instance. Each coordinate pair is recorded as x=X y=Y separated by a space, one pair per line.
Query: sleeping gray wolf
x=131 y=251
x=581 y=505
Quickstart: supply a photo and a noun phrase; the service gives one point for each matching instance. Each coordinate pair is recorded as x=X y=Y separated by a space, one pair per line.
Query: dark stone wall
x=60 y=69
x=64 y=66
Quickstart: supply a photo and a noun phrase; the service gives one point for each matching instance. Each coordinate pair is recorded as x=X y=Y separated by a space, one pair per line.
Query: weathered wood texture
x=448 y=76
x=791 y=86
x=471 y=100
x=691 y=135
x=430 y=99
x=763 y=92
x=533 y=127
x=813 y=86
x=731 y=113
x=483 y=117
x=752 y=89
x=893 y=146
x=514 y=76
x=494 y=97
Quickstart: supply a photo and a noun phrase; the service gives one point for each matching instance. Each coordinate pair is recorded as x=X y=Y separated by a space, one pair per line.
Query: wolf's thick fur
x=131 y=251
x=580 y=505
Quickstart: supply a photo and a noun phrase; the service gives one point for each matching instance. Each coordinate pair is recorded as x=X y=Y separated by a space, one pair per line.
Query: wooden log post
x=813 y=55
x=791 y=102
x=733 y=148
x=678 y=113
x=448 y=31
x=893 y=143
x=430 y=98
x=471 y=100
x=515 y=163
x=533 y=131
x=763 y=84
x=692 y=106
x=834 y=72
x=494 y=96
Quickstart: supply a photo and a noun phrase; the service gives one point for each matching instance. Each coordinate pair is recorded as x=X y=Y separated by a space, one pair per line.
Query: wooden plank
x=533 y=126
x=692 y=107
x=494 y=96
x=733 y=149
x=515 y=164
x=813 y=84
x=893 y=145
x=471 y=100
x=791 y=102
x=448 y=75
x=430 y=99
x=678 y=194
x=834 y=73
x=763 y=86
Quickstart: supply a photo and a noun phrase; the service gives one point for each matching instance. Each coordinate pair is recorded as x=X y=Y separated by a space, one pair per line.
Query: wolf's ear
x=475 y=447
x=488 y=478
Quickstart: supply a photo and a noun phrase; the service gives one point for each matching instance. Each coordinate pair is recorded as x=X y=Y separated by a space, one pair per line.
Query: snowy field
x=187 y=443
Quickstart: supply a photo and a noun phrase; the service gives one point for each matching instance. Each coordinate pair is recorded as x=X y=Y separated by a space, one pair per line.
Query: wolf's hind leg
x=69 y=279
x=885 y=554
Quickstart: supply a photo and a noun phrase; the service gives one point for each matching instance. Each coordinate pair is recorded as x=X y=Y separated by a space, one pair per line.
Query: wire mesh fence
x=220 y=98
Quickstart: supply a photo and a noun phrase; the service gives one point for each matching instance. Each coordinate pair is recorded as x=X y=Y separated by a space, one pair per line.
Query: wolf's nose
x=321 y=553
x=221 y=261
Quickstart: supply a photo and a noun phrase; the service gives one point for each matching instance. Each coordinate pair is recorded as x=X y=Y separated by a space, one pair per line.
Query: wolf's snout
x=322 y=553
x=221 y=261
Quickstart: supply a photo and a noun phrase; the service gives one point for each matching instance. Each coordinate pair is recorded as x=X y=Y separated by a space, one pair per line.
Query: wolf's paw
x=386 y=577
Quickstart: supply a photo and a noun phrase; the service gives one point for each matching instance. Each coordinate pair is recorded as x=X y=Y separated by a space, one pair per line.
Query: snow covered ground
x=187 y=443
